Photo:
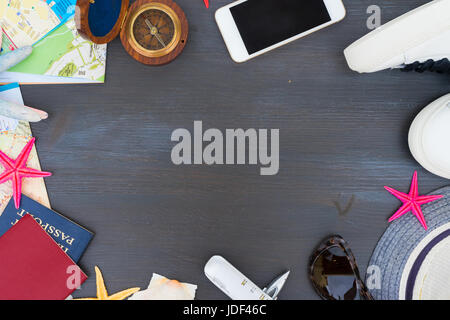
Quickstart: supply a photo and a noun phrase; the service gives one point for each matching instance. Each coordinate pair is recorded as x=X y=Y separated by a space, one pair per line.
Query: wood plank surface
x=342 y=135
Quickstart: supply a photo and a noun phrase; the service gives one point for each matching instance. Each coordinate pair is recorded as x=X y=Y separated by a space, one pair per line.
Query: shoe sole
x=385 y=46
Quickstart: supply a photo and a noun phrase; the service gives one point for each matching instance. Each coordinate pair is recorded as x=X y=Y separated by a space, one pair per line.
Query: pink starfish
x=16 y=170
x=411 y=202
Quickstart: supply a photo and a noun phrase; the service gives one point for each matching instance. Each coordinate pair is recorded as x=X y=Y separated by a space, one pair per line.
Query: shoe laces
x=440 y=66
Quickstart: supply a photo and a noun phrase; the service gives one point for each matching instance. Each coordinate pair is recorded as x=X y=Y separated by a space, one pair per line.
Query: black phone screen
x=263 y=23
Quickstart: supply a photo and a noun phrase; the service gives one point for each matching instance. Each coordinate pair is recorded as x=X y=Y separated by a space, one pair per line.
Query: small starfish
x=206 y=3
x=102 y=294
x=412 y=202
x=16 y=170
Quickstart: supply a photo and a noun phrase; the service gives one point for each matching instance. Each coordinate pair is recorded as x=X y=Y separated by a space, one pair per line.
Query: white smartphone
x=253 y=27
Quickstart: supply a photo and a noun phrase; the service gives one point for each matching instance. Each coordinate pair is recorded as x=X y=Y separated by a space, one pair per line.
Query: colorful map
x=24 y=22
x=12 y=142
x=64 y=53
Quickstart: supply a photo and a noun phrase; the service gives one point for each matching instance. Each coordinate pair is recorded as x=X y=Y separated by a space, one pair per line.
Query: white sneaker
x=429 y=137
x=418 y=40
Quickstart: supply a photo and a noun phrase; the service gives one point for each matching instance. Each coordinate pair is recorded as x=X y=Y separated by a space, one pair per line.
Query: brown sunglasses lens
x=333 y=275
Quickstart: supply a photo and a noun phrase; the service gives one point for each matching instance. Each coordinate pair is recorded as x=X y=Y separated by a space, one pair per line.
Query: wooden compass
x=153 y=32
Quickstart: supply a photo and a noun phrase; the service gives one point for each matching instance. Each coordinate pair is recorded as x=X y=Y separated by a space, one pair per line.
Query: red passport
x=33 y=266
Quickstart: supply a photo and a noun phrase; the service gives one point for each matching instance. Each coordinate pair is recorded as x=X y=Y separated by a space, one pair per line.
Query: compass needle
x=160 y=39
x=155 y=32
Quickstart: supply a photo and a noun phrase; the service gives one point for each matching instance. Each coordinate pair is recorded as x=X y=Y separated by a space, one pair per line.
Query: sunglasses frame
x=338 y=241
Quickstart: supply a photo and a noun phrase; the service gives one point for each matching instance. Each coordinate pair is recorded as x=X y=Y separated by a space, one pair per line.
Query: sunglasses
x=334 y=273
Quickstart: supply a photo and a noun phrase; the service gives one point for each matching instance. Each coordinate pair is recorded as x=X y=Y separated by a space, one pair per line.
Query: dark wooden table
x=342 y=135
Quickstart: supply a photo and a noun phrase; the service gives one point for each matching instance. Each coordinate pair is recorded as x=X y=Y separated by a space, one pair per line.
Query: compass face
x=153 y=29
x=154 y=32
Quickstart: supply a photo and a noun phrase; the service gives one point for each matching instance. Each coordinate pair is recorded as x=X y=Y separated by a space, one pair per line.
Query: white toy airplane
x=237 y=286
x=13 y=110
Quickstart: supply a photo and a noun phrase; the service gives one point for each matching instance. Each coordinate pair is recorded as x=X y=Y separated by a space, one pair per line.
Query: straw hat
x=411 y=263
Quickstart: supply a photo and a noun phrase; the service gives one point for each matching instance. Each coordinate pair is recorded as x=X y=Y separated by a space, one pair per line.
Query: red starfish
x=16 y=170
x=412 y=202
x=206 y=3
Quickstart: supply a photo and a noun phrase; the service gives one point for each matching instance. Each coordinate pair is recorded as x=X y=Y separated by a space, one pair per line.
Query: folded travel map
x=63 y=56
x=25 y=22
x=14 y=135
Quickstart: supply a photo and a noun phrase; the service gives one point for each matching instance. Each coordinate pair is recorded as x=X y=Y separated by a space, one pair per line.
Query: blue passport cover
x=71 y=237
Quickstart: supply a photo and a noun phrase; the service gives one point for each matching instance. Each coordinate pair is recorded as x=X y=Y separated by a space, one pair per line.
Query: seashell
x=161 y=288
